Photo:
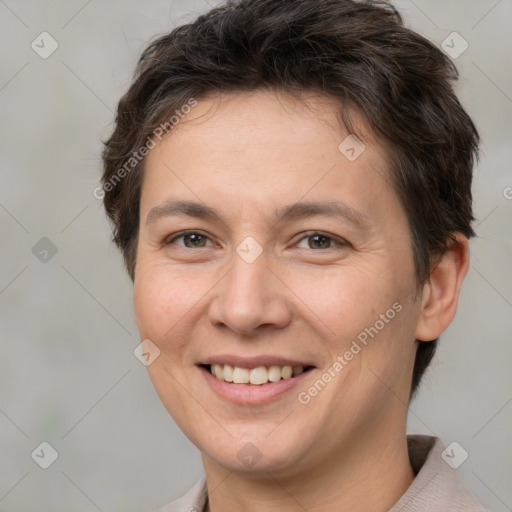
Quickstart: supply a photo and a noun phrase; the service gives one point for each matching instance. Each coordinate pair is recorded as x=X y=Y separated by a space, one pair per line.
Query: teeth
x=240 y=375
x=228 y=373
x=274 y=373
x=218 y=371
x=286 y=372
x=297 y=370
x=255 y=376
x=258 y=375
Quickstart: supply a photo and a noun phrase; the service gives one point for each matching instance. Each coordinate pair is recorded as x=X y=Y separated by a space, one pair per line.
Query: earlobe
x=441 y=293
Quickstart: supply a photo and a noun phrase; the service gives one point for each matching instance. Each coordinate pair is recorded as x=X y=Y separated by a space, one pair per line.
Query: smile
x=255 y=376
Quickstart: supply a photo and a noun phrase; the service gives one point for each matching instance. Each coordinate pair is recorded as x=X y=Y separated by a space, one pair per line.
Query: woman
x=290 y=186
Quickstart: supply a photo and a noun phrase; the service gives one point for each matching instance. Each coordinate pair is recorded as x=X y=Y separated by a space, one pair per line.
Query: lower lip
x=251 y=394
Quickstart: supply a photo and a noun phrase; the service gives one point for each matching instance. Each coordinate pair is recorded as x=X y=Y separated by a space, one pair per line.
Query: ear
x=440 y=294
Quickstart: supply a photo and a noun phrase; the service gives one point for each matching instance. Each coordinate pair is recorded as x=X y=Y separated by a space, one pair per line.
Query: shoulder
x=437 y=485
x=193 y=501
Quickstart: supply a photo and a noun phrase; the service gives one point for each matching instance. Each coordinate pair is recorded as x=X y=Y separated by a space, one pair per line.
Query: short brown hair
x=356 y=52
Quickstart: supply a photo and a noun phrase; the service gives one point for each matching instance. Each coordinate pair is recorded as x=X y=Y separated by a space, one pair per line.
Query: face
x=263 y=247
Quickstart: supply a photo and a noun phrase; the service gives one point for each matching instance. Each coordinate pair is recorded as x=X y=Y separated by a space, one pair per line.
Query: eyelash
x=310 y=234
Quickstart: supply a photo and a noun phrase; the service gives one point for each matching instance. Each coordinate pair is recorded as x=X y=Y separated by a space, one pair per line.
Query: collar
x=436 y=486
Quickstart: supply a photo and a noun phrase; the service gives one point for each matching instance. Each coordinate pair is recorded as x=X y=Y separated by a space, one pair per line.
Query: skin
x=247 y=155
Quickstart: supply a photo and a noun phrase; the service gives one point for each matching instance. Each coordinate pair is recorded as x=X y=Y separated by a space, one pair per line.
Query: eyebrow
x=296 y=211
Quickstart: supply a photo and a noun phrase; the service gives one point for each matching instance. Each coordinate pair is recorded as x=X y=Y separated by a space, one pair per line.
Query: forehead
x=268 y=117
x=266 y=147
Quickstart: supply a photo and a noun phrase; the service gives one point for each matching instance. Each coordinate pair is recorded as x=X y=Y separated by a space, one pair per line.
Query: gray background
x=68 y=375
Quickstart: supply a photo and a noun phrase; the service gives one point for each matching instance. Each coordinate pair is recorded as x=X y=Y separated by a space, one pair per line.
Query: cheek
x=345 y=300
x=159 y=305
x=158 y=287
x=161 y=301
x=365 y=319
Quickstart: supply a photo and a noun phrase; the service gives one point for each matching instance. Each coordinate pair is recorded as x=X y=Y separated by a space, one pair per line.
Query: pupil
x=316 y=238
x=195 y=239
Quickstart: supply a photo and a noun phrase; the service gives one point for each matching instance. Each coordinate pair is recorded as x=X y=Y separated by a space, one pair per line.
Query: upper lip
x=253 y=362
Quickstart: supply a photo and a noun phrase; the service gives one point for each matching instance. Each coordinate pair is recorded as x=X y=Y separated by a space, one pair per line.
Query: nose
x=251 y=297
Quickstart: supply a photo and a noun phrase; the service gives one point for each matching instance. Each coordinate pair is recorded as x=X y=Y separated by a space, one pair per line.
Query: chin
x=256 y=454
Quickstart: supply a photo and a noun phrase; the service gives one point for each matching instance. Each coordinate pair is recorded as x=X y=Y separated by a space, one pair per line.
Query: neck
x=369 y=476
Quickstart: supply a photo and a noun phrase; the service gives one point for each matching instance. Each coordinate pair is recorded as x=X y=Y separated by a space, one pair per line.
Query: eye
x=319 y=240
x=314 y=240
x=191 y=239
